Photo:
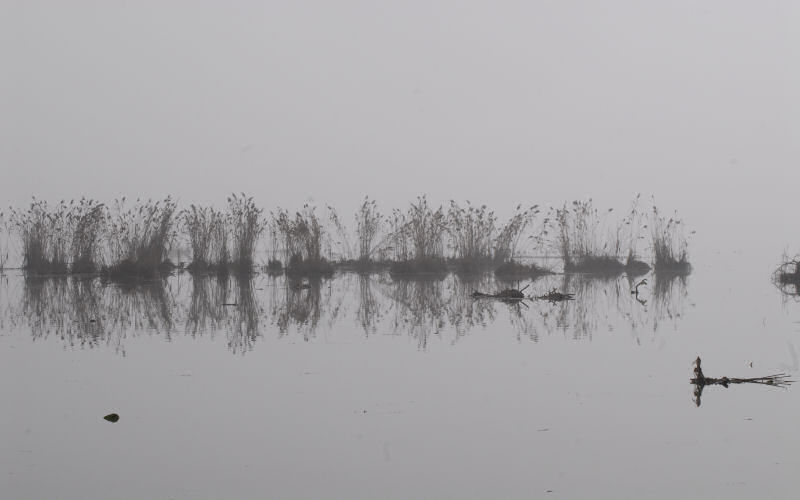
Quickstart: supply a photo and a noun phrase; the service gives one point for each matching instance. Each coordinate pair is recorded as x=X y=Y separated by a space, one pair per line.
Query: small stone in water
x=112 y=417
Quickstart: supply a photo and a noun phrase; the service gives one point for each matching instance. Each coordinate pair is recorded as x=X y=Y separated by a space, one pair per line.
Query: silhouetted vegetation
x=4 y=239
x=247 y=224
x=471 y=232
x=508 y=239
x=208 y=237
x=631 y=227
x=670 y=245
x=583 y=246
x=139 y=239
x=135 y=242
x=45 y=235
x=301 y=238
x=417 y=239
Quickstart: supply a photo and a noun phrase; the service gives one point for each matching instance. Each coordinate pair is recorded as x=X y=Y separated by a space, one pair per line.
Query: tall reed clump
x=361 y=255
x=418 y=239
x=344 y=249
x=88 y=220
x=631 y=228
x=507 y=243
x=247 y=224
x=302 y=237
x=139 y=239
x=670 y=244
x=208 y=238
x=471 y=232
x=368 y=225
x=581 y=242
x=45 y=235
x=3 y=241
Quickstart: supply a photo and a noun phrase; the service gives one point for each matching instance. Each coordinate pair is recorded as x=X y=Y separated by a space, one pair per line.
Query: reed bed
x=139 y=239
x=417 y=240
x=61 y=239
x=584 y=241
x=368 y=253
x=4 y=239
x=87 y=220
x=208 y=237
x=135 y=241
x=670 y=244
x=302 y=237
x=471 y=231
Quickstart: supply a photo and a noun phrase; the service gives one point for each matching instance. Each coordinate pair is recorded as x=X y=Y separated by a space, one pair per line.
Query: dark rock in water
x=112 y=417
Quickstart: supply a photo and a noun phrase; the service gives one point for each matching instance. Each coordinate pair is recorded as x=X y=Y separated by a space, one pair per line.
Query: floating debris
x=507 y=294
x=700 y=381
x=112 y=417
x=555 y=296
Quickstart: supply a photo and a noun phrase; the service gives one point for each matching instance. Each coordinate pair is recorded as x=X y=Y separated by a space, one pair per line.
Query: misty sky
x=696 y=102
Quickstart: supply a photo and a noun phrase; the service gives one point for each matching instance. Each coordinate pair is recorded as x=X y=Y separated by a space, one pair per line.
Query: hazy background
x=695 y=102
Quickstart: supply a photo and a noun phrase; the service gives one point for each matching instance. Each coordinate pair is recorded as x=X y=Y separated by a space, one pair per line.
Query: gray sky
x=695 y=102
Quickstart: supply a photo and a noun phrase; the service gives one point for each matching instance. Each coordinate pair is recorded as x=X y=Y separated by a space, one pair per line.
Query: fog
x=695 y=103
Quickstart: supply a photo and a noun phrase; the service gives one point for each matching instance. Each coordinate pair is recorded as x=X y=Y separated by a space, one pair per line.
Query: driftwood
x=700 y=381
x=555 y=296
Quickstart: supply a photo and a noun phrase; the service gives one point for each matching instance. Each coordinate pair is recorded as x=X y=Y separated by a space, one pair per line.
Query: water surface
x=369 y=387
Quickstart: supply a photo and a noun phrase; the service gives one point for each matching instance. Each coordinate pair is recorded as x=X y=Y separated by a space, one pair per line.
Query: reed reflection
x=370 y=308
x=85 y=312
x=418 y=307
x=207 y=305
x=604 y=303
x=300 y=307
x=88 y=312
x=242 y=315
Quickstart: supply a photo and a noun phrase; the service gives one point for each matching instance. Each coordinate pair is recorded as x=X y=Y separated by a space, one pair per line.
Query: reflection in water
x=370 y=309
x=242 y=317
x=84 y=312
x=300 y=307
x=207 y=308
x=669 y=296
x=88 y=312
x=418 y=307
x=465 y=313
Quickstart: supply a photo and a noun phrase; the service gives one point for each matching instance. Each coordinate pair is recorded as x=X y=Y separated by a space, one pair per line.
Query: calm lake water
x=366 y=387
